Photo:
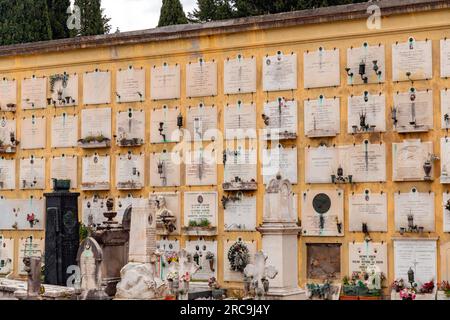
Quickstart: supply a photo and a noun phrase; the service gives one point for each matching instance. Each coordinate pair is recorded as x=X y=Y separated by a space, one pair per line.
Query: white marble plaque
x=7 y=174
x=412 y=60
x=163 y=128
x=97 y=87
x=34 y=93
x=445 y=160
x=65 y=131
x=29 y=247
x=240 y=121
x=240 y=214
x=165 y=82
x=169 y=253
x=8 y=131
x=322 y=117
x=323 y=213
x=130 y=85
x=6 y=255
x=446 y=213
x=418 y=255
x=33 y=133
x=409 y=158
x=231 y=275
x=241 y=163
x=96 y=123
x=445 y=58
x=413 y=111
x=201 y=79
x=8 y=95
x=445 y=109
x=65 y=168
x=130 y=128
x=321 y=68
x=92 y=210
x=280 y=160
x=63 y=90
x=22 y=214
x=201 y=123
x=204 y=253
x=96 y=173
x=280 y=72
x=200 y=210
x=239 y=75
x=165 y=169
x=368 y=257
x=281 y=118
x=366 y=162
x=122 y=204
x=371 y=60
x=201 y=168
x=366 y=113
x=32 y=173
x=130 y=172
x=320 y=164
x=420 y=205
x=167 y=202
x=369 y=208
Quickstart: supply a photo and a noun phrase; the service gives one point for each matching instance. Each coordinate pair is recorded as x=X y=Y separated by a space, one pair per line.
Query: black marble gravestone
x=61 y=235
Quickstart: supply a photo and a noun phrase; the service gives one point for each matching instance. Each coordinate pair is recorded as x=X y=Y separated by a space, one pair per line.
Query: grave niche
x=323 y=261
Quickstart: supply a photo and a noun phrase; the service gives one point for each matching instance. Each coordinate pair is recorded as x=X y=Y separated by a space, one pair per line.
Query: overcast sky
x=129 y=15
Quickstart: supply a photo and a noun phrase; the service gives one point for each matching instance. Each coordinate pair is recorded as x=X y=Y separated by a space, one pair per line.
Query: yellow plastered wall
x=431 y=25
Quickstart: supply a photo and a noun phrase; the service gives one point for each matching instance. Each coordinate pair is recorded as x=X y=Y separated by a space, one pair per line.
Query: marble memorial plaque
x=418 y=255
x=240 y=121
x=239 y=75
x=29 y=247
x=65 y=131
x=92 y=210
x=321 y=68
x=366 y=162
x=97 y=87
x=367 y=113
x=320 y=164
x=201 y=123
x=6 y=255
x=370 y=209
x=201 y=79
x=130 y=128
x=63 y=90
x=7 y=174
x=204 y=253
x=280 y=117
x=22 y=214
x=33 y=133
x=280 y=160
x=168 y=213
x=241 y=164
x=322 y=117
x=416 y=205
x=446 y=212
x=32 y=173
x=200 y=213
x=368 y=257
x=165 y=169
x=323 y=213
x=409 y=158
x=366 y=64
x=130 y=85
x=445 y=58
x=240 y=214
x=8 y=95
x=323 y=261
x=280 y=72
x=130 y=172
x=96 y=173
x=445 y=160
x=445 y=261
x=8 y=135
x=165 y=82
x=34 y=93
x=413 y=111
x=445 y=109
x=164 y=126
x=230 y=275
x=412 y=60
x=169 y=250
x=96 y=127
x=65 y=168
x=201 y=168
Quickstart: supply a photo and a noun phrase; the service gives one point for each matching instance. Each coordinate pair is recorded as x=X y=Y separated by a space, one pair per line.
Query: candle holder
x=339 y=177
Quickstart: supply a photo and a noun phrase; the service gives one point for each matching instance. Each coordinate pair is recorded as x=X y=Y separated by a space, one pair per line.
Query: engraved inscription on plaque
x=280 y=72
x=322 y=117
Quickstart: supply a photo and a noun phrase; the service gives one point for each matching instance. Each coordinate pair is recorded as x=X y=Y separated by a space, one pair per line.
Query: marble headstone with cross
x=259 y=275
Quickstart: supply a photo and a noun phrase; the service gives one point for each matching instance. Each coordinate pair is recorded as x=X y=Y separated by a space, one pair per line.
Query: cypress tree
x=93 y=20
x=172 y=13
x=58 y=18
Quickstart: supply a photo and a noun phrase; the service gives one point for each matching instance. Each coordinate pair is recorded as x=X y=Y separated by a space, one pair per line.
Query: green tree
x=24 y=21
x=58 y=18
x=172 y=13
x=93 y=20
x=210 y=10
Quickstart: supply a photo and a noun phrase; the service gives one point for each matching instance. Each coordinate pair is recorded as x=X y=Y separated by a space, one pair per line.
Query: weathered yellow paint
x=341 y=35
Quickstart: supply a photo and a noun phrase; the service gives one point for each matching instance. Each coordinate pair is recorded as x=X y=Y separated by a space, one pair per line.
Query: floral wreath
x=238 y=256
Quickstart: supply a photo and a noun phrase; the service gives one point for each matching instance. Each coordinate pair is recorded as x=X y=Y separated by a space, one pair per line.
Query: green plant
x=84 y=231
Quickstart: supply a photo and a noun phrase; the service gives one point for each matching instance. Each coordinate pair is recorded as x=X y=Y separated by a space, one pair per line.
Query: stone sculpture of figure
x=165 y=218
